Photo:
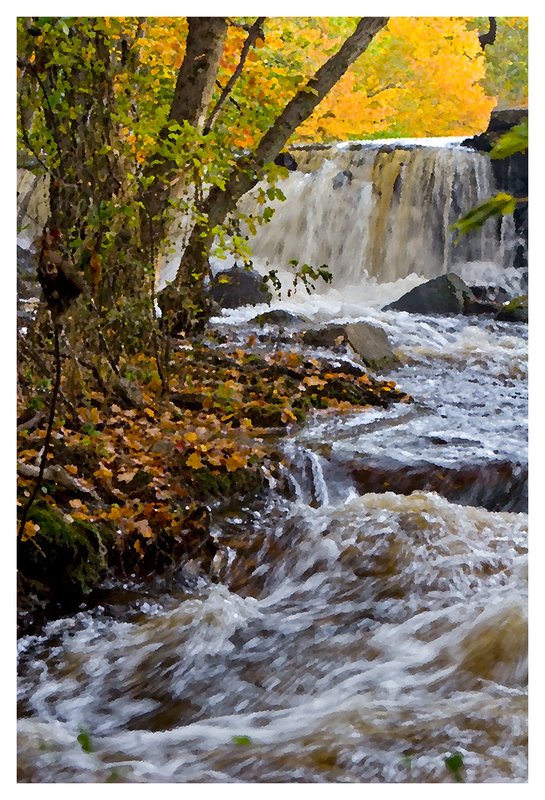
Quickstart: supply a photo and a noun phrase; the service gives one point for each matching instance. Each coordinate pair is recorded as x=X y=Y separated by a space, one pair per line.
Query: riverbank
x=130 y=489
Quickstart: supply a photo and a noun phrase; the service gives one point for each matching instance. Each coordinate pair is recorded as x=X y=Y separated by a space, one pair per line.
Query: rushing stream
x=351 y=637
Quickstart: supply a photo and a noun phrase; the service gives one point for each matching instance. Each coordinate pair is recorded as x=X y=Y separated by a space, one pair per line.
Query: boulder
x=371 y=344
x=515 y=310
x=238 y=287
x=368 y=341
x=328 y=336
x=277 y=316
x=447 y=294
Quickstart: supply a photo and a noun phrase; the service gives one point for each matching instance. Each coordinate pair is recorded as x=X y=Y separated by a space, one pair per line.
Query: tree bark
x=192 y=96
x=220 y=202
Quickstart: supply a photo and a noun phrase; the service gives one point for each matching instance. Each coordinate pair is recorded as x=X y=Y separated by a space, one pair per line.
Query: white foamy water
x=389 y=631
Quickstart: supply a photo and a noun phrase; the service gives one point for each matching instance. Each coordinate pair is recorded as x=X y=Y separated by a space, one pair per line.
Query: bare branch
x=254 y=33
x=490 y=36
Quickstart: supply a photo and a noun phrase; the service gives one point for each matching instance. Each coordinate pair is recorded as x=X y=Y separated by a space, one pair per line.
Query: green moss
x=63 y=561
x=516 y=310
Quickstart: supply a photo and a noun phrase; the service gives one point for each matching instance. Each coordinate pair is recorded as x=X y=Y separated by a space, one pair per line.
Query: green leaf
x=243 y=741
x=454 y=763
x=501 y=203
x=514 y=141
x=84 y=740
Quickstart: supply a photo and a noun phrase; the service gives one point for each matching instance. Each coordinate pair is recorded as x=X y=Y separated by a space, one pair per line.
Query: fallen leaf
x=236 y=461
x=30 y=530
x=143 y=527
x=194 y=461
x=126 y=477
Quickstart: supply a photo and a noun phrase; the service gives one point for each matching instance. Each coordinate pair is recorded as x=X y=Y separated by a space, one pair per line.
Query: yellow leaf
x=30 y=530
x=103 y=473
x=73 y=470
x=288 y=415
x=236 y=461
x=150 y=412
x=194 y=461
x=138 y=547
x=191 y=436
x=76 y=503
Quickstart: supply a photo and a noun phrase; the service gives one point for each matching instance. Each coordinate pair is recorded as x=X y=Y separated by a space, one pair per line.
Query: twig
x=52 y=408
x=57 y=474
x=254 y=33
x=31 y=423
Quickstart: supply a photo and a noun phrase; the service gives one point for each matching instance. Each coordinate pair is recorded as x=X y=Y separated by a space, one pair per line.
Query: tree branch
x=490 y=36
x=255 y=32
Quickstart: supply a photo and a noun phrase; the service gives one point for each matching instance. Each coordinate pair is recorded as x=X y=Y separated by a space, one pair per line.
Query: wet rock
x=286 y=160
x=368 y=341
x=238 y=287
x=371 y=344
x=328 y=336
x=62 y=562
x=515 y=310
x=495 y=294
x=343 y=178
x=447 y=294
x=495 y=485
x=278 y=316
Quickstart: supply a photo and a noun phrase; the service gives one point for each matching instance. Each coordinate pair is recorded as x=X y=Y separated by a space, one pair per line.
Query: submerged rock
x=447 y=294
x=238 y=287
x=494 y=485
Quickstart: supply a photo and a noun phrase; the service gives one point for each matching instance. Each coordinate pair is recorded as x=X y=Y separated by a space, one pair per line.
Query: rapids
x=350 y=637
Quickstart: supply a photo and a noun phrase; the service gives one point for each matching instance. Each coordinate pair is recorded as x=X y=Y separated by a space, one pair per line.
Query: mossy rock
x=515 y=310
x=62 y=562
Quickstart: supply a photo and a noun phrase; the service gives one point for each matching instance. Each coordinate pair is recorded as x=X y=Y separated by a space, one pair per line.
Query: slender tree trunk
x=187 y=289
x=192 y=97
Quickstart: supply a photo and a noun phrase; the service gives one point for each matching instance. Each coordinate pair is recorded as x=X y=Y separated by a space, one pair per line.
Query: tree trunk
x=192 y=96
x=220 y=202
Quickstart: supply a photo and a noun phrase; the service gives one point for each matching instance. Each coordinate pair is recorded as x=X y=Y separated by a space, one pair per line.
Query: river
x=352 y=637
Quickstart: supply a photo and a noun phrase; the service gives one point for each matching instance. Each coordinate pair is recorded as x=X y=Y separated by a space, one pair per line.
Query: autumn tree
x=123 y=141
x=143 y=123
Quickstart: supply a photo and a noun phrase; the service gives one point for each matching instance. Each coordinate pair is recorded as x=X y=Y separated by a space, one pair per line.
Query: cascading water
x=383 y=211
x=352 y=636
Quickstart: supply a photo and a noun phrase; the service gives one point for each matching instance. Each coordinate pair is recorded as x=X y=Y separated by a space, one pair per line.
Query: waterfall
x=382 y=210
